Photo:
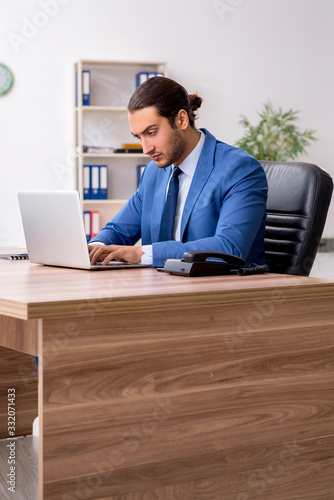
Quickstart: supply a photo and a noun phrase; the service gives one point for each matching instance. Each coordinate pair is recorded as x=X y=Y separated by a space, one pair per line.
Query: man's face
x=164 y=144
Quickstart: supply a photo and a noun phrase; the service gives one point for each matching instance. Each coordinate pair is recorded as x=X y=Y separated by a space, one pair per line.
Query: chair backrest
x=297 y=206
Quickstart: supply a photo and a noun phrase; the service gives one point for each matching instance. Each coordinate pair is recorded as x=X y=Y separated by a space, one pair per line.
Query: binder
x=94 y=223
x=103 y=190
x=87 y=224
x=86 y=182
x=141 y=78
x=140 y=170
x=86 y=87
x=95 y=182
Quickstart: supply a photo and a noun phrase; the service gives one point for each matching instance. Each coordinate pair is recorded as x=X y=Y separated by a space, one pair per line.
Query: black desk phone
x=204 y=263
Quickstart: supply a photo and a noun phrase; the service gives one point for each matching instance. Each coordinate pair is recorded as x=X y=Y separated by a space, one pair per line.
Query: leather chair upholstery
x=297 y=206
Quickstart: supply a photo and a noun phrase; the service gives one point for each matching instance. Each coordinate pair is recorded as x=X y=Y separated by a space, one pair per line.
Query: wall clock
x=6 y=79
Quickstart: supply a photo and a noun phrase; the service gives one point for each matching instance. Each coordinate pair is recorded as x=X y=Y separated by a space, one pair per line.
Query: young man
x=221 y=190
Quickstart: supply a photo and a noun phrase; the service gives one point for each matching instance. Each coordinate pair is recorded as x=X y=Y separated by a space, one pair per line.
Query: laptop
x=54 y=231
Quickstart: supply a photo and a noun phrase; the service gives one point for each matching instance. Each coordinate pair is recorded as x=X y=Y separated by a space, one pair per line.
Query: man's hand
x=106 y=253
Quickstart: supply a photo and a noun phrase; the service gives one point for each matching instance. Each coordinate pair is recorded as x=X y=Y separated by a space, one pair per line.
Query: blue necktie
x=168 y=215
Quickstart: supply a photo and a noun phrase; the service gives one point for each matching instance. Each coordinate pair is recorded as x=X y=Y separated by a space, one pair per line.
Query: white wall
x=235 y=53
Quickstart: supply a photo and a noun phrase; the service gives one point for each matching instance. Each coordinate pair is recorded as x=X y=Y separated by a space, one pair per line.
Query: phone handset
x=202 y=255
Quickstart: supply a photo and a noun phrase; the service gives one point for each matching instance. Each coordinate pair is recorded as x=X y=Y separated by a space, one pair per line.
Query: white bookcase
x=104 y=123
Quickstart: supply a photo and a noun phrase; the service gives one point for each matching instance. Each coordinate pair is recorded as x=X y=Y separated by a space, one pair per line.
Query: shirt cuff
x=147 y=258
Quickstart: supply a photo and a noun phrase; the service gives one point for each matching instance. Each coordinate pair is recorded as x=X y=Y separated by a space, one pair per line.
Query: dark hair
x=167 y=96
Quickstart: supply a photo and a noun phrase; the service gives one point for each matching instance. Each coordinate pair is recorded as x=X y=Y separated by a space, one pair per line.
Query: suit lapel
x=203 y=170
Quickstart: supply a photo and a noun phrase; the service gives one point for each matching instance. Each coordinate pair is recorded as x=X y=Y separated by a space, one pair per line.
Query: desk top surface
x=33 y=291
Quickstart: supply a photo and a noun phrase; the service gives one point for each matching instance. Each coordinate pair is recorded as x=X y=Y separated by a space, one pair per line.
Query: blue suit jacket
x=225 y=209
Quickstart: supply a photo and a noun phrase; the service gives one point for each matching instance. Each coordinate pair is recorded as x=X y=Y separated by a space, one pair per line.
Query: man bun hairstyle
x=195 y=102
x=167 y=96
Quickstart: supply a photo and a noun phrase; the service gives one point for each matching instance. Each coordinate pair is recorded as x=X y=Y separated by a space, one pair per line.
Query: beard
x=174 y=151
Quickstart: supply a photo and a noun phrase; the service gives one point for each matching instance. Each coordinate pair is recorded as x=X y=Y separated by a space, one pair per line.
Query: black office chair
x=297 y=206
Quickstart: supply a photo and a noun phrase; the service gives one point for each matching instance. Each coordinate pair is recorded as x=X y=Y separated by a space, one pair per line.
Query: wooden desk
x=160 y=387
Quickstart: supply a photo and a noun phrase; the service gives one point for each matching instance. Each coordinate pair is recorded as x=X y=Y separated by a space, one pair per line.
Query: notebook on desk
x=54 y=231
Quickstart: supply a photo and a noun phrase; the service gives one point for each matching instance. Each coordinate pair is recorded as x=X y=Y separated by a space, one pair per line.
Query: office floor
x=27 y=448
x=323 y=266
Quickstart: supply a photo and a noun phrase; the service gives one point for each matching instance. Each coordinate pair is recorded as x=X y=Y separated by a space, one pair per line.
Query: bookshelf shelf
x=120 y=109
x=113 y=155
x=104 y=202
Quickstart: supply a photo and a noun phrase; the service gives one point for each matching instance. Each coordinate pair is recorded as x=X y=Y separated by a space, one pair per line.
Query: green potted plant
x=276 y=137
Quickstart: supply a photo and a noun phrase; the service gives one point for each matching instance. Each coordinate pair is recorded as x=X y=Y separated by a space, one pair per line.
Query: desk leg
x=207 y=404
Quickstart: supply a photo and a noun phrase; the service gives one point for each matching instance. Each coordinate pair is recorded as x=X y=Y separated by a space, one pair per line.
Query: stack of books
x=129 y=148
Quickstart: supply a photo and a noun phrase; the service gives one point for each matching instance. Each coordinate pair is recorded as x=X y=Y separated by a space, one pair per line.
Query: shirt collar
x=188 y=166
